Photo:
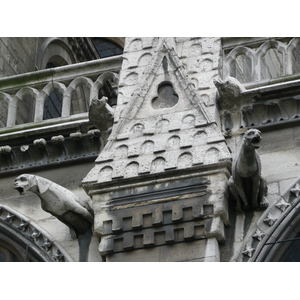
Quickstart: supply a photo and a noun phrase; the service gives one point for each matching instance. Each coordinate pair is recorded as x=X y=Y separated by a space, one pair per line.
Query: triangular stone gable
x=165 y=67
x=163 y=127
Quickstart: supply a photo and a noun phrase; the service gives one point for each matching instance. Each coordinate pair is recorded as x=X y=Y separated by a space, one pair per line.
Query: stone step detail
x=156 y=236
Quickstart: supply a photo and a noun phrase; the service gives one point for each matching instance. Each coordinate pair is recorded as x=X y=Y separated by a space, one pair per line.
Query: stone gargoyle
x=247 y=186
x=102 y=115
x=64 y=205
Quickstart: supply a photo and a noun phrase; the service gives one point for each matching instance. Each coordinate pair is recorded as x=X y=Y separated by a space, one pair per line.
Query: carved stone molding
x=273 y=226
x=22 y=231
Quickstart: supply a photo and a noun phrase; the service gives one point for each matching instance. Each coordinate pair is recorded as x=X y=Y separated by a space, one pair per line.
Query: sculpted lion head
x=252 y=137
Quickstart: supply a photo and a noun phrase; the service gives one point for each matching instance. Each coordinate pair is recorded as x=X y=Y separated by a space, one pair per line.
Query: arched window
x=53 y=105
x=106 y=48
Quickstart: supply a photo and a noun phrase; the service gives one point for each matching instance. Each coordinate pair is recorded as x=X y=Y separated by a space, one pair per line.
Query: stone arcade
x=166 y=149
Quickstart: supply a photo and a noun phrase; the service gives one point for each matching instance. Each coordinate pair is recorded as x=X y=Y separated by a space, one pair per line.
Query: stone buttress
x=159 y=185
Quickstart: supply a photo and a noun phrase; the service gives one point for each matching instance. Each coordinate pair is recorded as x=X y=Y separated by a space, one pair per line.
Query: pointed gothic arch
x=24 y=241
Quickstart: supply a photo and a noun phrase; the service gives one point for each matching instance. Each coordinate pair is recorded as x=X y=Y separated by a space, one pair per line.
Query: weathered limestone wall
x=18 y=55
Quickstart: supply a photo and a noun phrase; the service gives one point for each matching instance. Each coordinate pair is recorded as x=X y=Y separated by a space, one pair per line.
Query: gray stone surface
x=197 y=251
x=247 y=186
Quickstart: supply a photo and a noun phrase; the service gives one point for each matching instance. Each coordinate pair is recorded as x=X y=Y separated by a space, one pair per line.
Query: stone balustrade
x=23 y=97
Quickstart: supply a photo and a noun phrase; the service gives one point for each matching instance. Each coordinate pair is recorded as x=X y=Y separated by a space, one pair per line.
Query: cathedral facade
x=149 y=149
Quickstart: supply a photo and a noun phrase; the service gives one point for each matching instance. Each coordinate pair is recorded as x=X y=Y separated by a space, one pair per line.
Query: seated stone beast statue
x=246 y=185
x=64 y=205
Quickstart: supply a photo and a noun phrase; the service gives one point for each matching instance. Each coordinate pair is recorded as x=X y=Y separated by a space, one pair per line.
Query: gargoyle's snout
x=19 y=189
x=255 y=141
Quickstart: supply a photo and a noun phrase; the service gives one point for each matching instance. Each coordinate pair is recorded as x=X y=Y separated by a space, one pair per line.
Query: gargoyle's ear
x=42 y=184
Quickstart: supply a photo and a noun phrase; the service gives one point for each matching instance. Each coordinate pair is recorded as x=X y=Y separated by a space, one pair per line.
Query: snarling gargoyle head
x=252 y=137
x=23 y=183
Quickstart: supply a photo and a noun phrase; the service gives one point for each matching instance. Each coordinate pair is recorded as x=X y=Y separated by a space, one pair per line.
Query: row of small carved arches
x=173 y=143
x=137 y=44
x=26 y=228
x=9 y=104
x=158 y=165
x=162 y=126
x=272 y=59
x=271 y=112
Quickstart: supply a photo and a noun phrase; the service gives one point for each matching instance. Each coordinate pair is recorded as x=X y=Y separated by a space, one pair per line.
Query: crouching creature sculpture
x=64 y=205
x=102 y=115
x=246 y=185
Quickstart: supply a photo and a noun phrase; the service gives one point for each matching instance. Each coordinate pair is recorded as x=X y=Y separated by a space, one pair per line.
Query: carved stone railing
x=259 y=60
x=37 y=143
x=27 y=92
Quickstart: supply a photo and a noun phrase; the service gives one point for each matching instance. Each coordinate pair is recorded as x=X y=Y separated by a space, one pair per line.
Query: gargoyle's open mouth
x=255 y=141
x=20 y=190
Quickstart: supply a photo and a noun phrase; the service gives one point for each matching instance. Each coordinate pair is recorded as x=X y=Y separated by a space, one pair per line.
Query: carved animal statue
x=246 y=185
x=101 y=114
x=229 y=90
x=64 y=205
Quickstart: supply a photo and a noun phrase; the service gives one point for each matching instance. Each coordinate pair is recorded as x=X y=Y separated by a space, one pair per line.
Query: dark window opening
x=106 y=48
x=108 y=91
x=292 y=253
x=53 y=105
x=51 y=65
